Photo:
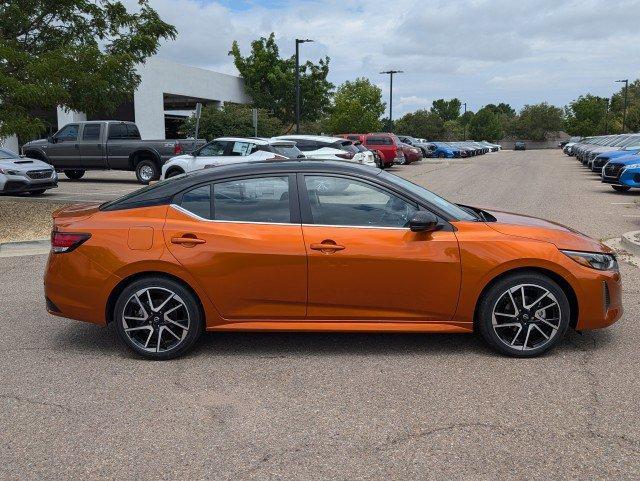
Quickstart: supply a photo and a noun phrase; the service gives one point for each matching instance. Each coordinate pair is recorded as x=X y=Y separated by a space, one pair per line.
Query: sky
x=480 y=51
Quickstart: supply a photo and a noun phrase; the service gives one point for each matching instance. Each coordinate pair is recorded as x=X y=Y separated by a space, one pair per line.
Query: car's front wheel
x=523 y=315
x=158 y=318
x=74 y=174
x=621 y=188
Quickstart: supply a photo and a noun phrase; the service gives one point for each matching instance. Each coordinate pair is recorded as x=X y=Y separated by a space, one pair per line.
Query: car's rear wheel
x=621 y=188
x=74 y=174
x=146 y=171
x=524 y=315
x=158 y=318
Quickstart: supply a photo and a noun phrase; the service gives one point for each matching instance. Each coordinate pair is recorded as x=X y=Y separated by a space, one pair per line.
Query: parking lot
x=76 y=404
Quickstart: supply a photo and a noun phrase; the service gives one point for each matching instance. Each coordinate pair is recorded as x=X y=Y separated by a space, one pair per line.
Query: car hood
x=627 y=159
x=23 y=164
x=36 y=143
x=543 y=230
x=618 y=153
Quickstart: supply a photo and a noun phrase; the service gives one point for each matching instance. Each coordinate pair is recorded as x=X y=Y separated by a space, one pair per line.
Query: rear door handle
x=187 y=240
x=327 y=246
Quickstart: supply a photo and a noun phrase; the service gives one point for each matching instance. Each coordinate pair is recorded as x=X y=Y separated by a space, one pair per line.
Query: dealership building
x=167 y=94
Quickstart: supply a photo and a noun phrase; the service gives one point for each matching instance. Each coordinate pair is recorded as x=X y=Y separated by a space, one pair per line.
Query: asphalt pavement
x=74 y=403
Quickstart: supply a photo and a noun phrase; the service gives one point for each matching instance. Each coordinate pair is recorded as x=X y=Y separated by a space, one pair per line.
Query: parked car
x=385 y=144
x=445 y=150
x=227 y=150
x=519 y=146
x=22 y=174
x=330 y=148
x=622 y=173
x=411 y=153
x=620 y=144
x=106 y=144
x=255 y=246
x=412 y=141
x=601 y=159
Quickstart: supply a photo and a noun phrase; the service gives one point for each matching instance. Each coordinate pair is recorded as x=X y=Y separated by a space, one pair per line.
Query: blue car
x=623 y=172
x=600 y=160
x=444 y=150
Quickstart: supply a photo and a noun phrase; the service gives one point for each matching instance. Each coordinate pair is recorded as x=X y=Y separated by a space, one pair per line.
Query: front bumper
x=600 y=302
x=15 y=184
x=630 y=178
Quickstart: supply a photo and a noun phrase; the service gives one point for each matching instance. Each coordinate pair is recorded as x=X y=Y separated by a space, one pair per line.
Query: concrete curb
x=25 y=248
x=631 y=242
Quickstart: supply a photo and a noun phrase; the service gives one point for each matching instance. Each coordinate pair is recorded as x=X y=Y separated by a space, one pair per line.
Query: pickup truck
x=106 y=144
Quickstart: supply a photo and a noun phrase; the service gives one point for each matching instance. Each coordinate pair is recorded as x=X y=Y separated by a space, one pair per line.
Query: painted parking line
x=622 y=203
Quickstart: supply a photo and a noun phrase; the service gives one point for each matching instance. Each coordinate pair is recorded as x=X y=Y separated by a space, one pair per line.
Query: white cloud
x=480 y=51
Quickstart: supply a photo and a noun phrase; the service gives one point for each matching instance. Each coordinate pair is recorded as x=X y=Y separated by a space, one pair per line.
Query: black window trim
x=294 y=202
x=305 y=206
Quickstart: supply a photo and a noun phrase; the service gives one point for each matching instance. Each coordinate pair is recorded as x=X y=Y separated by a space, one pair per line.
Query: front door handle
x=327 y=246
x=187 y=241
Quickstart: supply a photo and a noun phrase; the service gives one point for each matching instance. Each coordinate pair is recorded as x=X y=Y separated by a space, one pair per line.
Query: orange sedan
x=321 y=246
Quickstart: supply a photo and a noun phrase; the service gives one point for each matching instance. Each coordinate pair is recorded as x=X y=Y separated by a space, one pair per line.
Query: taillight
x=346 y=155
x=177 y=148
x=66 y=242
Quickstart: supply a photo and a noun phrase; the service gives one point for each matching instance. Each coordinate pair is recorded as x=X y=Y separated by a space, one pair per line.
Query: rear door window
x=91 y=132
x=260 y=199
x=198 y=201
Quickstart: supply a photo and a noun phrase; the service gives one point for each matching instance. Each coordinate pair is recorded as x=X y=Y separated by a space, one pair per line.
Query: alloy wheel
x=526 y=317
x=155 y=319
x=146 y=173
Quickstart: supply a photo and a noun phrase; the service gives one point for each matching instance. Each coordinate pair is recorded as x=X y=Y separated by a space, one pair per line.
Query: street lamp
x=391 y=72
x=464 y=123
x=298 y=42
x=624 y=114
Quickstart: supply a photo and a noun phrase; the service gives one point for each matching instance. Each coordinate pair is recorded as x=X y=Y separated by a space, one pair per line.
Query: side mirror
x=423 y=221
x=51 y=139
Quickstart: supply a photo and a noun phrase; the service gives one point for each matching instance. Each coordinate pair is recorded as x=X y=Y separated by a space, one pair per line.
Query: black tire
x=75 y=174
x=173 y=173
x=441 y=155
x=620 y=188
x=146 y=171
x=524 y=322
x=155 y=322
x=37 y=192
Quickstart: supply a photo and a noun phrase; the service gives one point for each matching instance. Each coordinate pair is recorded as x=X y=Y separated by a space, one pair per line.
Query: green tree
x=232 y=120
x=453 y=130
x=633 y=101
x=270 y=81
x=78 y=53
x=357 y=107
x=536 y=121
x=587 y=115
x=486 y=125
x=421 y=123
x=446 y=109
x=501 y=109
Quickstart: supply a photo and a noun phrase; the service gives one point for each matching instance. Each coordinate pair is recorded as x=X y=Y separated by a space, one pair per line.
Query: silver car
x=22 y=174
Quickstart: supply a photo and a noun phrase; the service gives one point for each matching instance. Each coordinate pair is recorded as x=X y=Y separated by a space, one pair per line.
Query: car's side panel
x=249 y=270
x=383 y=274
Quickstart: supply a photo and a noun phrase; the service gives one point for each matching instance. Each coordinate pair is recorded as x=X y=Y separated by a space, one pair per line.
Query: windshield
x=452 y=209
x=7 y=154
x=289 y=151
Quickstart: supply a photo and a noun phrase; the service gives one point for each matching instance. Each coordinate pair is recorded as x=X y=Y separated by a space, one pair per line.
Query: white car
x=331 y=148
x=230 y=150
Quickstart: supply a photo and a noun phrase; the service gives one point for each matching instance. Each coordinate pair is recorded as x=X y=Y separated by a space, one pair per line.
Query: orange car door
x=364 y=263
x=242 y=241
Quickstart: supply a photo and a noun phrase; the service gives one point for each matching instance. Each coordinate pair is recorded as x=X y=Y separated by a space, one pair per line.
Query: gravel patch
x=26 y=220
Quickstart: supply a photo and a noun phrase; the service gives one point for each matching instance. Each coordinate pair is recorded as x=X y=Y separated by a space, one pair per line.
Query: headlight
x=632 y=166
x=595 y=260
x=9 y=172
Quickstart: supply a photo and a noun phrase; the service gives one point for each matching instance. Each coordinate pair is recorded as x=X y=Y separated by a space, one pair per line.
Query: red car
x=387 y=145
x=411 y=154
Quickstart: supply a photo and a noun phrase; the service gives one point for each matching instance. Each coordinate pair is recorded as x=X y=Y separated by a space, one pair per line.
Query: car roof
x=320 y=138
x=168 y=188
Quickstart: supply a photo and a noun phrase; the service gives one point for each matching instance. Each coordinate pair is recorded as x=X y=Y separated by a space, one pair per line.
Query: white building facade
x=167 y=94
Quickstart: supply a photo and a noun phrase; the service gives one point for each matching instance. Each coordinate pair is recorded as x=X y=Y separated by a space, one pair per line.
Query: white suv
x=230 y=150
x=330 y=148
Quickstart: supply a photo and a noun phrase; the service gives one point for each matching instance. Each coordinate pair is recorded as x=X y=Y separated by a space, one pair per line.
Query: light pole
x=391 y=72
x=464 y=124
x=298 y=42
x=624 y=114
